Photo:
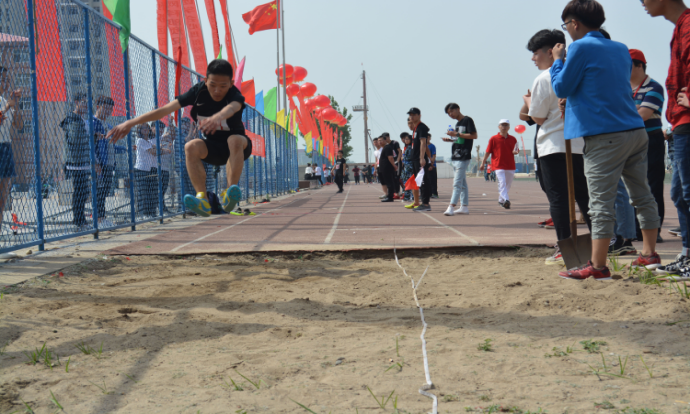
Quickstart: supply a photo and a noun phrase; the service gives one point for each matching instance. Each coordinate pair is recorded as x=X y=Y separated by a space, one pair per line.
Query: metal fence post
x=130 y=156
x=34 y=125
x=92 y=142
x=182 y=167
x=158 y=139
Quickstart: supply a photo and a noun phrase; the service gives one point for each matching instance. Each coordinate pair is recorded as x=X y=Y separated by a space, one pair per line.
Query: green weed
x=4 y=347
x=616 y=265
x=303 y=406
x=604 y=405
x=384 y=401
x=684 y=291
x=35 y=356
x=556 y=353
x=67 y=364
x=235 y=386
x=592 y=346
x=399 y=366
x=649 y=370
x=639 y=411
x=49 y=357
x=256 y=385
x=647 y=277
x=486 y=346
x=85 y=348
x=622 y=365
x=104 y=388
x=27 y=407
x=667 y=323
x=55 y=401
x=484 y=398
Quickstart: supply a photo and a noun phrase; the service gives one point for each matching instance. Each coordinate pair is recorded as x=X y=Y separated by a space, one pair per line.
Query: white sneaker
x=449 y=212
x=463 y=210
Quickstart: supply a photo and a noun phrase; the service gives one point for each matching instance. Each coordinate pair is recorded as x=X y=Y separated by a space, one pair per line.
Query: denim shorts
x=6 y=161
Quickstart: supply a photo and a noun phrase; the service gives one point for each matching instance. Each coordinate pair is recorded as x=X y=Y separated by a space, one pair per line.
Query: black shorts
x=219 y=152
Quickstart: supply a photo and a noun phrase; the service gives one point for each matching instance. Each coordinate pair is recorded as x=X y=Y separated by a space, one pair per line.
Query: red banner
x=50 y=72
x=178 y=35
x=258 y=145
x=162 y=13
x=211 y=11
x=228 y=37
x=196 y=37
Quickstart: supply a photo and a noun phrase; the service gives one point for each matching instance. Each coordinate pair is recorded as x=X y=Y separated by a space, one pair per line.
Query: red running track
x=356 y=219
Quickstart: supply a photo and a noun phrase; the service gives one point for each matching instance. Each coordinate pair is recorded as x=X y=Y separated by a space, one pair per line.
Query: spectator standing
x=388 y=167
x=166 y=164
x=105 y=153
x=407 y=164
x=10 y=121
x=649 y=100
x=678 y=115
x=433 y=172
x=386 y=137
x=421 y=160
x=308 y=173
x=356 y=171
x=146 y=172
x=502 y=149
x=327 y=175
x=464 y=134
x=317 y=174
x=338 y=170
x=544 y=109
x=595 y=76
x=77 y=159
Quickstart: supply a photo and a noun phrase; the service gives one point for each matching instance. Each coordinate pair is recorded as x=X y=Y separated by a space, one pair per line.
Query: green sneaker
x=198 y=204
x=230 y=197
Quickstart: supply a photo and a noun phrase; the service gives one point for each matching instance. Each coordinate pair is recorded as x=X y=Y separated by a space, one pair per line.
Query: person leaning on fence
x=217 y=106
x=77 y=159
x=10 y=121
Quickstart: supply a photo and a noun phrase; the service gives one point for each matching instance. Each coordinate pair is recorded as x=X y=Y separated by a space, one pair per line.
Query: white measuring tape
x=429 y=385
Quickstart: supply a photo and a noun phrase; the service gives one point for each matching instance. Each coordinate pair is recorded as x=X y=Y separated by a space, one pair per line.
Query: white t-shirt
x=550 y=139
x=318 y=171
x=308 y=171
x=145 y=160
x=377 y=154
x=166 y=158
x=6 y=126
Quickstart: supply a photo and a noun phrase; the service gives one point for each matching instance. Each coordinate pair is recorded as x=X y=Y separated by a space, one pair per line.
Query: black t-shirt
x=205 y=107
x=422 y=131
x=463 y=152
x=340 y=166
x=388 y=151
x=682 y=129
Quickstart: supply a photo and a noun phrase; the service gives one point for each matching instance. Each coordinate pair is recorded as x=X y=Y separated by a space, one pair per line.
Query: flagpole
x=278 y=65
x=282 y=26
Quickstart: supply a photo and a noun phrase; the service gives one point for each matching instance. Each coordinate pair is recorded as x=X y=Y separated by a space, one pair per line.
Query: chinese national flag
x=264 y=17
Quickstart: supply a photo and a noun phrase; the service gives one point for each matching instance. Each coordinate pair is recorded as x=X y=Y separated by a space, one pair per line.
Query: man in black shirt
x=464 y=135
x=388 y=166
x=421 y=156
x=217 y=108
x=398 y=160
x=339 y=170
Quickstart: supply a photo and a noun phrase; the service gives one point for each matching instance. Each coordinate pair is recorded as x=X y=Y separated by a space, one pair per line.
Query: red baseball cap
x=637 y=55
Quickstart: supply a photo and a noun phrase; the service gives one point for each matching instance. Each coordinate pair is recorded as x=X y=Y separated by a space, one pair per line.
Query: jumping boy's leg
x=195 y=151
x=237 y=144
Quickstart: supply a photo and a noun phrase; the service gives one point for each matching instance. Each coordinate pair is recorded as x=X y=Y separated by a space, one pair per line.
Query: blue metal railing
x=65 y=179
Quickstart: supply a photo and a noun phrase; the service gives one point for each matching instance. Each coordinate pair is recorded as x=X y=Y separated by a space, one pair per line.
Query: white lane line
x=182 y=246
x=337 y=218
x=468 y=238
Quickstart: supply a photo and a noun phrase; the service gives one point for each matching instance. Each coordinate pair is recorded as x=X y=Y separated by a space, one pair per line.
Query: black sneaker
x=506 y=205
x=675 y=232
x=502 y=204
x=422 y=207
x=659 y=239
x=674 y=267
x=622 y=247
x=387 y=200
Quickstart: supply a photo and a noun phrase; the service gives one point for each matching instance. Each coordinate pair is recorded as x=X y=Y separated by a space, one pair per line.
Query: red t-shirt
x=501 y=150
x=679 y=71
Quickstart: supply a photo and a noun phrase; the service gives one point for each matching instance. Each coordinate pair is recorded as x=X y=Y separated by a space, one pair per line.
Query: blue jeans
x=625 y=214
x=680 y=183
x=460 y=189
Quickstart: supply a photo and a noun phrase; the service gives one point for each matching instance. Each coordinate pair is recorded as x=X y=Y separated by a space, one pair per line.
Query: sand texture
x=319 y=329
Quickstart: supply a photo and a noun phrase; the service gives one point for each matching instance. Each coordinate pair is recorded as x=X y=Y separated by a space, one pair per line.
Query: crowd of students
x=600 y=100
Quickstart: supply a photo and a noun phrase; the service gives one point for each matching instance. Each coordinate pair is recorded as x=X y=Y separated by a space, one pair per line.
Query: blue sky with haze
x=424 y=54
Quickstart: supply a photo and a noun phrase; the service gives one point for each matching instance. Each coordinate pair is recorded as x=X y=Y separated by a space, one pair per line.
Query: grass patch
x=104 y=388
x=486 y=346
x=55 y=401
x=592 y=346
x=384 y=401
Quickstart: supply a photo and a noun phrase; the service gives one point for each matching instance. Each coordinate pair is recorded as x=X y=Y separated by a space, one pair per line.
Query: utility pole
x=365 y=109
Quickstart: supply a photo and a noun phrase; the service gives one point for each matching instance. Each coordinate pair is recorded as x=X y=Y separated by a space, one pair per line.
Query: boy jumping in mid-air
x=217 y=108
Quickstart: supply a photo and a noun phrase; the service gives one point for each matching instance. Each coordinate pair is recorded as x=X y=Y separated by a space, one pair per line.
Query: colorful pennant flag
x=270 y=105
x=249 y=92
x=260 y=102
x=119 y=13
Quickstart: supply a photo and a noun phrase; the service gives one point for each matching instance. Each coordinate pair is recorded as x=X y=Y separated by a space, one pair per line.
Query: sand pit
x=319 y=329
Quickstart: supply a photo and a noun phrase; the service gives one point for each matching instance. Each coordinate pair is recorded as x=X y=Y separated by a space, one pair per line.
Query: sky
x=418 y=54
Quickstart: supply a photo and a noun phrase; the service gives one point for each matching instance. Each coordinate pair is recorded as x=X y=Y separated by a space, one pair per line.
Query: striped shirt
x=650 y=95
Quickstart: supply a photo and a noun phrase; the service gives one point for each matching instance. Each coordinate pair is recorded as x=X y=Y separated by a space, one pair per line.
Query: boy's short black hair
x=404 y=135
x=451 y=106
x=79 y=97
x=637 y=63
x=220 y=67
x=105 y=100
x=588 y=12
x=545 y=38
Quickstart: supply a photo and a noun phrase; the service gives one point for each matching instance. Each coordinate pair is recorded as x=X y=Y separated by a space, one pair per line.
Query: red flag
x=178 y=76
x=249 y=92
x=211 y=11
x=411 y=184
x=264 y=17
x=162 y=13
x=50 y=73
x=196 y=37
x=178 y=34
x=228 y=36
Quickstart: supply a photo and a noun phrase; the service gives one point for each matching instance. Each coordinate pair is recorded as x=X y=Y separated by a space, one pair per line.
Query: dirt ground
x=323 y=329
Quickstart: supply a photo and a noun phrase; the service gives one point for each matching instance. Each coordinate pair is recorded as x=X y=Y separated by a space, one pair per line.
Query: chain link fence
x=64 y=83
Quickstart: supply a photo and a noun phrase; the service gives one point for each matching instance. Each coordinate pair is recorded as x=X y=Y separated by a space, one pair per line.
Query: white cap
x=504 y=121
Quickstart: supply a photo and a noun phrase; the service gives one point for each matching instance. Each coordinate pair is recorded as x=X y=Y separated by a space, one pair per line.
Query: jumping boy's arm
x=123 y=129
x=210 y=125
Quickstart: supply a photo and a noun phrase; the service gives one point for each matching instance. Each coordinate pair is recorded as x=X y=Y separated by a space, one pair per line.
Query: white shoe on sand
x=463 y=210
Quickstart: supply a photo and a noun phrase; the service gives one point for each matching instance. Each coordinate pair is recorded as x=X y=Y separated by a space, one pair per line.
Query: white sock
x=685 y=251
